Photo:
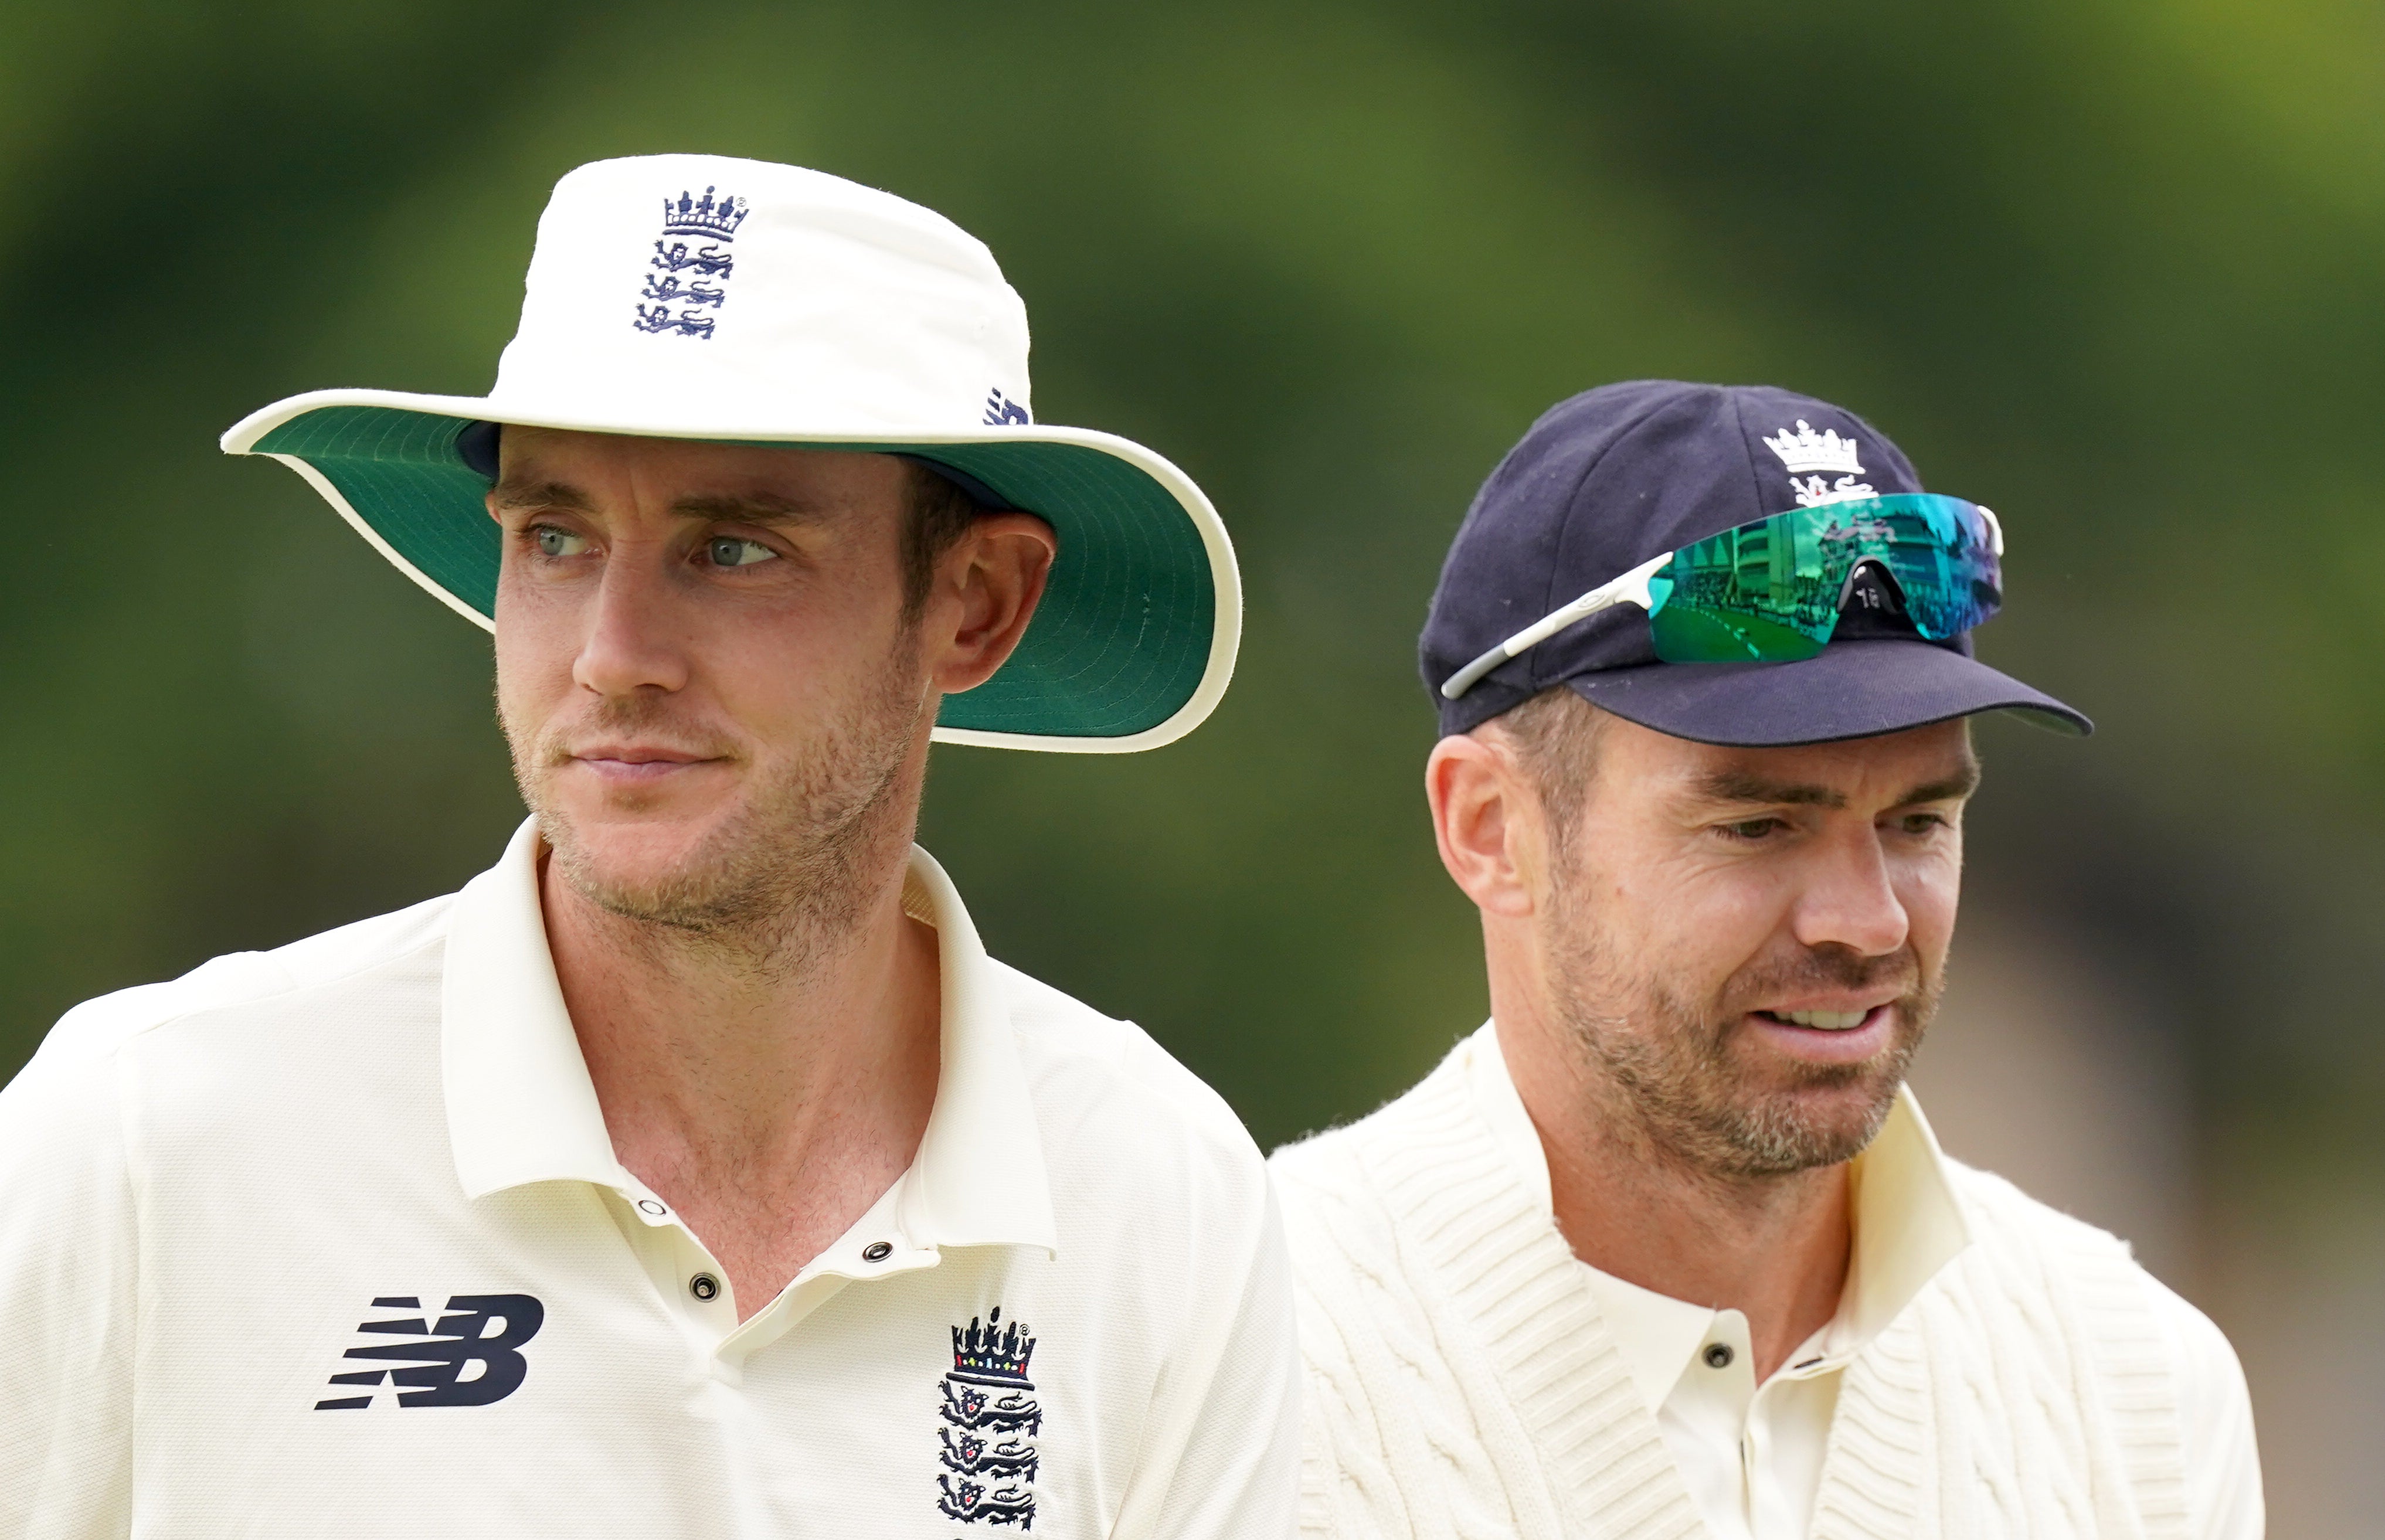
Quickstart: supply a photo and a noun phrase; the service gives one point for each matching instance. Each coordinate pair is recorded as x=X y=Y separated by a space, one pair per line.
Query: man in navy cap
x=1667 y=1247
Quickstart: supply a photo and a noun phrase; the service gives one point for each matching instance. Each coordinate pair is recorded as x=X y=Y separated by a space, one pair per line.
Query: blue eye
x=728 y=550
x=558 y=542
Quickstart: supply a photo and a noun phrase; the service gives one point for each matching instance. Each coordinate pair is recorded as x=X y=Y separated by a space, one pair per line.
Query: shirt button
x=648 y=1205
x=876 y=1251
x=1718 y=1355
x=704 y=1286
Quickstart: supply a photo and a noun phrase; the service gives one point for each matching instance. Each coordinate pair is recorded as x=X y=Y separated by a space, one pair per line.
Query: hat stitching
x=1755 y=482
x=1549 y=599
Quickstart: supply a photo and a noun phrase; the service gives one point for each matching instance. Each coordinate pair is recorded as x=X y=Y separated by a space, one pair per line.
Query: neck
x=770 y=1087
x=1773 y=1247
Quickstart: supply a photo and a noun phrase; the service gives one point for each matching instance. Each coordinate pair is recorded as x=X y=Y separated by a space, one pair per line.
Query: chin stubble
x=1667 y=1065
x=789 y=879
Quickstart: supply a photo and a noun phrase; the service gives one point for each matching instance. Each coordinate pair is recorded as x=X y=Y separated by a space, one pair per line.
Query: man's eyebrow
x=739 y=507
x=749 y=508
x=1946 y=788
x=1742 y=786
x=540 y=494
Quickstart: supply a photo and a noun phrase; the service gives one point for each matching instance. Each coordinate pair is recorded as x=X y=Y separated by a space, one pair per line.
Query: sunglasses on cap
x=1770 y=592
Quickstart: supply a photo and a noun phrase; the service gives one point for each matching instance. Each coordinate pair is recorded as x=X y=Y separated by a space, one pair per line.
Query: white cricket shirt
x=1750 y=1454
x=331 y=1240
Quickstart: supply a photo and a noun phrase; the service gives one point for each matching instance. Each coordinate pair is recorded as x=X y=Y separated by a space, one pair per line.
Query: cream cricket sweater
x=1463 y=1384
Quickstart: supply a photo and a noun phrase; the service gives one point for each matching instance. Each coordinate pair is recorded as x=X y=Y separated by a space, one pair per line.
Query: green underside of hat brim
x=1119 y=645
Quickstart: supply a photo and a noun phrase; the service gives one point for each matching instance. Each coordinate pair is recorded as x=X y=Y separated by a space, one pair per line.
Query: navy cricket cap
x=1627 y=473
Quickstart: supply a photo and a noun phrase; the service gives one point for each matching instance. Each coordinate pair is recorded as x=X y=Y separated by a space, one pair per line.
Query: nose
x=631 y=643
x=1850 y=899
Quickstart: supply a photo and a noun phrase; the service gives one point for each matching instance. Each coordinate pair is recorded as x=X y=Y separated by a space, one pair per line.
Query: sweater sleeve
x=2214 y=1413
x=67 y=1275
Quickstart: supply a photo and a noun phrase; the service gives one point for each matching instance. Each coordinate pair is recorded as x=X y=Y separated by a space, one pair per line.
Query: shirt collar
x=521 y=1109
x=1907 y=1226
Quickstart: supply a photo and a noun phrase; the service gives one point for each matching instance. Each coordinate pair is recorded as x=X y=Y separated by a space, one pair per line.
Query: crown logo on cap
x=993 y=1353
x=687 y=215
x=1807 y=450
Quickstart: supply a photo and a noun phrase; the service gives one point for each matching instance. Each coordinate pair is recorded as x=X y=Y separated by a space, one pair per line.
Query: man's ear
x=1487 y=823
x=985 y=591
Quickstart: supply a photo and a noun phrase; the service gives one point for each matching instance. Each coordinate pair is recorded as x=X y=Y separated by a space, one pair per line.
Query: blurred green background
x=2116 y=269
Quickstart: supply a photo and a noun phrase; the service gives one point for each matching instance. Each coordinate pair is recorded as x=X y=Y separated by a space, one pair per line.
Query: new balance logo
x=472 y=1357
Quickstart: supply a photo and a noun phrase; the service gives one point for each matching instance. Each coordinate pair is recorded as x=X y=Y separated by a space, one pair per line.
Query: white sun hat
x=741 y=301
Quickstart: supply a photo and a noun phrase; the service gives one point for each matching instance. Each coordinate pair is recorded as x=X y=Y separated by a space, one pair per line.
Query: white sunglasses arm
x=1629 y=588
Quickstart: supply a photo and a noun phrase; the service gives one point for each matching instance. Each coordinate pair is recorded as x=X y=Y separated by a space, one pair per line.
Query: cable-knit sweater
x=1461 y=1384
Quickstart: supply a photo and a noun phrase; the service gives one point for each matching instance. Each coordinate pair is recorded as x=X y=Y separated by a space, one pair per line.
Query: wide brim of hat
x=1849 y=689
x=1132 y=647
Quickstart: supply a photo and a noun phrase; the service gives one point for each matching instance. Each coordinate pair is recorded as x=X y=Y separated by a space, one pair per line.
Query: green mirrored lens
x=1769 y=591
x=1698 y=624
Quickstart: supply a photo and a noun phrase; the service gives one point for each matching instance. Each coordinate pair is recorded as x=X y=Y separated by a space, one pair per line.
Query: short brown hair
x=1555 y=737
x=939 y=513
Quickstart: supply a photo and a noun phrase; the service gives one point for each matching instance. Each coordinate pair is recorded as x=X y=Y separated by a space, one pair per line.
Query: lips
x=627 y=765
x=623 y=753
x=1827 y=1021
x=1824 y=1037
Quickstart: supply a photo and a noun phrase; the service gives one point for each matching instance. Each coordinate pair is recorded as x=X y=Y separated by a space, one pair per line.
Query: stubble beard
x=789 y=879
x=1665 y=1060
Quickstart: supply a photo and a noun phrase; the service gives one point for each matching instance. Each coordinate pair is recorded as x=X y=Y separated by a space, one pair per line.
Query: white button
x=647 y=1205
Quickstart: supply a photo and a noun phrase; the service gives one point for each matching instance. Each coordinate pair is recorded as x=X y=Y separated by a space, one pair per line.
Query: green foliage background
x=2116 y=269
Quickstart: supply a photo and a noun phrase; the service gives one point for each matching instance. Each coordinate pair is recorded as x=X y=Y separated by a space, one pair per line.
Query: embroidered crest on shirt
x=1808 y=451
x=687 y=281
x=988 y=1445
x=472 y=1357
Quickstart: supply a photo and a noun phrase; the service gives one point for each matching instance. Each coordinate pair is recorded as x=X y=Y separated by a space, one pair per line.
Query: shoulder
x=1389 y=1221
x=86 y=1038
x=1105 y=1089
x=1342 y=1233
x=1372 y=1210
x=1335 y=1213
x=2020 y=1244
x=1352 y=1177
x=71 y=1119
x=2005 y=1219
x=2144 y=1334
x=2133 y=1312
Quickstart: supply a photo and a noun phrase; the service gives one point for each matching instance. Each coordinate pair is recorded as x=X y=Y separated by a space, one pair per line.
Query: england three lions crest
x=1825 y=452
x=987 y=1446
x=687 y=278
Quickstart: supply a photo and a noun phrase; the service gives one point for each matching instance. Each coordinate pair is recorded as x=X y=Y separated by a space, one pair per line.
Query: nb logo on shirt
x=472 y=1357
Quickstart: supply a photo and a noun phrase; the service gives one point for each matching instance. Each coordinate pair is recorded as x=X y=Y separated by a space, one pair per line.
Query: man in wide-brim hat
x=693 y=1170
